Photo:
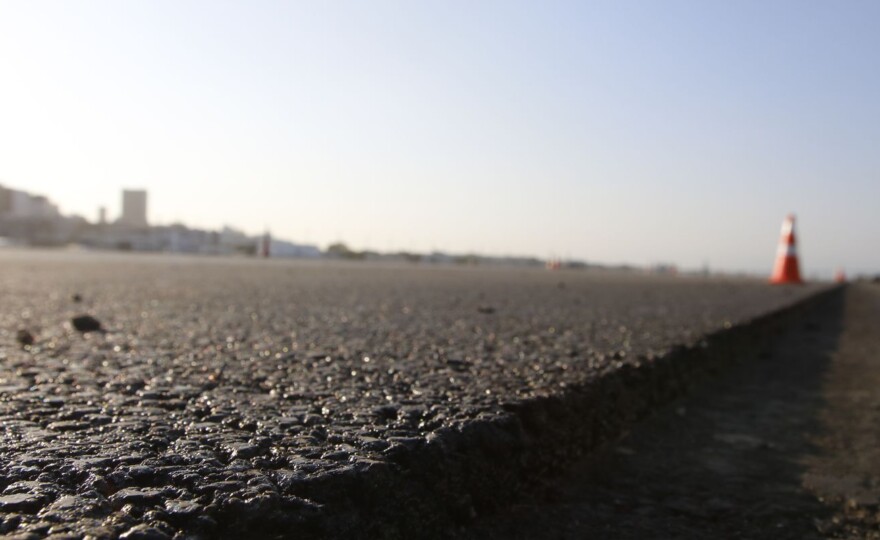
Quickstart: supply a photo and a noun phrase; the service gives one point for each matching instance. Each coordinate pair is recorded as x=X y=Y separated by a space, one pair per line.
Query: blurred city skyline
x=611 y=132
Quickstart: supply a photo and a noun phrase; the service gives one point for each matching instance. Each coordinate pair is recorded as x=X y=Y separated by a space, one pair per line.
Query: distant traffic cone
x=840 y=276
x=786 y=268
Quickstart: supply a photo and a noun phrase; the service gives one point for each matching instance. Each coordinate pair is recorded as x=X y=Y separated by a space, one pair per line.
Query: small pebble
x=143 y=532
x=24 y=338
x=86 y=323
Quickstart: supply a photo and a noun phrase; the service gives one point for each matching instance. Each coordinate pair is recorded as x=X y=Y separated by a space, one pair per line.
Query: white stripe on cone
x=786 y=250
x=787 y=225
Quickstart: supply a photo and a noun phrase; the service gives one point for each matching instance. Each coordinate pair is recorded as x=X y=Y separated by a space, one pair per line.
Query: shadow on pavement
x=727 y=461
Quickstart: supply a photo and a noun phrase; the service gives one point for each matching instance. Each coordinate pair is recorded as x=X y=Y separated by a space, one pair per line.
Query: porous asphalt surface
x=213 y=398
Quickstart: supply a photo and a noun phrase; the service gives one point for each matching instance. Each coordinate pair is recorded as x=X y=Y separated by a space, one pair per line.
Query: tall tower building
x=134 y=208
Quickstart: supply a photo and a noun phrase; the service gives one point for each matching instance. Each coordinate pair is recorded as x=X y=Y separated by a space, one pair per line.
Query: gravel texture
x=323 y=400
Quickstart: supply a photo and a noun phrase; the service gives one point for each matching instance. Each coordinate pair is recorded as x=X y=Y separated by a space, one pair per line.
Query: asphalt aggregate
x=173 y=397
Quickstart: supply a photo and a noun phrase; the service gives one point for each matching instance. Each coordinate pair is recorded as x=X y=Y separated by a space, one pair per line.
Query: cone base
x=786 y=281
x=787 y=271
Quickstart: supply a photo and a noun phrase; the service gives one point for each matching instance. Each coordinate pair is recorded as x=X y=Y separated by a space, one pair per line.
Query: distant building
x=134 y=208
x=5 y=201
x=21 y=205
x=32 y=219
x=42 y=208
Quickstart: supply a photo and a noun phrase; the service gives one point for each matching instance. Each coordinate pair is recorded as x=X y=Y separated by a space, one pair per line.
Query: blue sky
x=635 y=132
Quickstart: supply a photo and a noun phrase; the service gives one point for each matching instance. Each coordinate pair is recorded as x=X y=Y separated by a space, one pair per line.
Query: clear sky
x=618 y=131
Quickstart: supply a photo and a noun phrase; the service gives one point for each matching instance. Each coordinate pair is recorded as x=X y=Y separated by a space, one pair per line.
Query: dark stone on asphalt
x=68 y=426
x=86 y=323
x=9 y=523
x=144 y=532
x=244 y=451
x=386 y=412
x=138 y=496
x=24 y=338
x=458 y=364
x=183 y=508
x=20 y=502
x=69 y=503
x=76 y=298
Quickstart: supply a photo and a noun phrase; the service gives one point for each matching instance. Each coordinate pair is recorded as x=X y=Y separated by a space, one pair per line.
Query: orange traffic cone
x=786 y=268
x=840 y=276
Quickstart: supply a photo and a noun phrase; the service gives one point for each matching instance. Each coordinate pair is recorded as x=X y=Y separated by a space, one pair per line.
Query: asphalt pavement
x=158 y=397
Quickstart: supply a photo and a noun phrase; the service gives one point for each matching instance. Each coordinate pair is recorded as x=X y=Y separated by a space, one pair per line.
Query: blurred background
x=653 y=134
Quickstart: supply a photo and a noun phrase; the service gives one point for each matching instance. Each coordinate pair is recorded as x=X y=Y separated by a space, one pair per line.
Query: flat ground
x=786 y=445
x=218 y=390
